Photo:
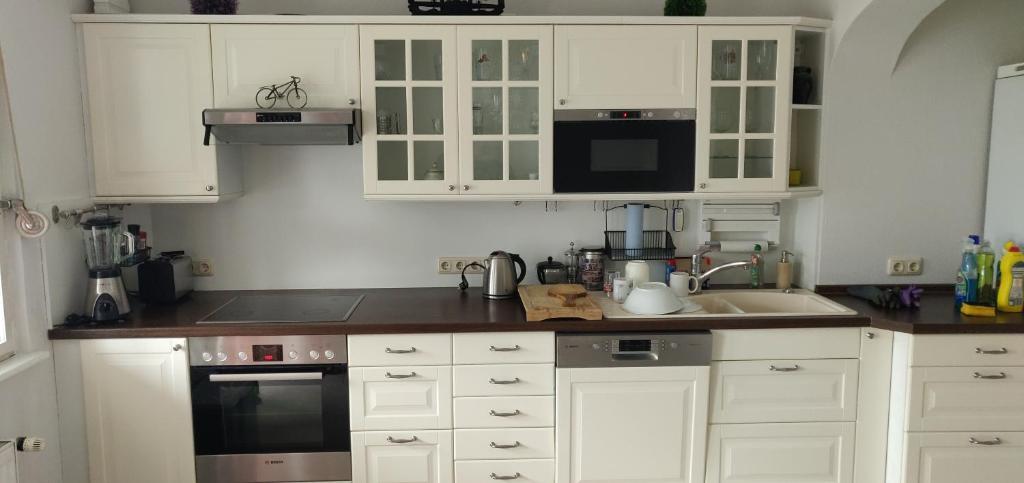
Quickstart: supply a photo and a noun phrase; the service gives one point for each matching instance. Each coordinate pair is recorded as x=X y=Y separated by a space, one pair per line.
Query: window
x=8 y=161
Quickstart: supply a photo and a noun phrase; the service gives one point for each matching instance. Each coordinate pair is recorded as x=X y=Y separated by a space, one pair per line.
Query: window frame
x=8 y=149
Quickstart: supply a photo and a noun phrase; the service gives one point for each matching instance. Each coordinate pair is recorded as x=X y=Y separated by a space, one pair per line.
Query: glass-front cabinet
x=744 y=80
x=410 y=120
x=505 y=115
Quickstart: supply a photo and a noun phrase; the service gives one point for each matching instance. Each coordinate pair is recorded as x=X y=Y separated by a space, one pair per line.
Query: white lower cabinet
x=504 y=443
x=489 y=471
x=966 y=399
x=784 y=391
x=964 y=458
x=781 y=453
x=413 y=397
x=127 y=382
x=402 y=457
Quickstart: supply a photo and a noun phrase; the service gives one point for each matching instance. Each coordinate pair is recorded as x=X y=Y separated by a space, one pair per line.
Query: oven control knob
x=650 y=114
x=293 y=355
x=677 y=114
x=314 y=355
x=674 y=345
x=207 y=357
x=596 y=347
x=329 y=355
x=242 y=356
x=221 y=357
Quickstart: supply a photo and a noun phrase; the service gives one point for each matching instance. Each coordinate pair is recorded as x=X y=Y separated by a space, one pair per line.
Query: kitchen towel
x=634 y=226
x=743 y=246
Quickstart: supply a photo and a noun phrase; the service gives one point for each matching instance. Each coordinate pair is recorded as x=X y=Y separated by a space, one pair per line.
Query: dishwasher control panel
x=633 y=349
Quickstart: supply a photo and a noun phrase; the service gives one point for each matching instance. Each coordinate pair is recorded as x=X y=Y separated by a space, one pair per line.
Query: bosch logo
x=273 y=462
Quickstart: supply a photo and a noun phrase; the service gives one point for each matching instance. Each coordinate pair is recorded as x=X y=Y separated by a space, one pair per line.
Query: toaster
x=167 y=279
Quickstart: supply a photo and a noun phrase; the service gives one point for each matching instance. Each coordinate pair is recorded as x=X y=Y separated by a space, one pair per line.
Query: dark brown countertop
x=409 y=310
x=936 y=316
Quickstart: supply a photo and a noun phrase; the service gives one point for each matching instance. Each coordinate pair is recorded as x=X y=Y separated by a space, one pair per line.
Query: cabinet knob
x=177 y=347
x=210 y=187
x=465 y=187
x=351 y=102
x=561 y=102
x=451 y=187
x=703 y=186
x=870 y=335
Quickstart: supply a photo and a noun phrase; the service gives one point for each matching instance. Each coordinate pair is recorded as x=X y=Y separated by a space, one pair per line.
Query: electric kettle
x=500 y=275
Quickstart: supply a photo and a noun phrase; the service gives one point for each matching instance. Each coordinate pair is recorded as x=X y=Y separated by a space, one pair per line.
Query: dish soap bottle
x=784 y=273
x=967 y=275
x=1011 y=279
x=756 y=267
x=986 y=274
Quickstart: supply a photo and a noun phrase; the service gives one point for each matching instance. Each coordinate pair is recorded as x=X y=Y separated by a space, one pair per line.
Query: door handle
x=505 y=446
x=982 y=442
x=510 y=381
x=505 y=415
x=1001 y=350
x=792 y=368
x=403 y=441
x=268 y=376
x=505 y=477
x=505 y=349
x=399 y=351
x=399 y=376
x=978 y=375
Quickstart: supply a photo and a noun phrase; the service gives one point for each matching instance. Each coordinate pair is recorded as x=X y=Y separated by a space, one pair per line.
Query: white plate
x=689 y=307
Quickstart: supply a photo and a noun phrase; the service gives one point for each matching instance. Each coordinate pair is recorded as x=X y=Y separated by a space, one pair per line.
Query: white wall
x=906 y=150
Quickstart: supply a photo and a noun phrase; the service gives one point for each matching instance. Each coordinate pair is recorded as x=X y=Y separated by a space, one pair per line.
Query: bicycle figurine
x=267 y=96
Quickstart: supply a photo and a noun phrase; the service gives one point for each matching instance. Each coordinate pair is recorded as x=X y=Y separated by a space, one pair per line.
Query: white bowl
x=652 y=298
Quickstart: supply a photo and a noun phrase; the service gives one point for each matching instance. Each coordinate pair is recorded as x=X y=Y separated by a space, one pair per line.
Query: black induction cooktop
x=285 y=308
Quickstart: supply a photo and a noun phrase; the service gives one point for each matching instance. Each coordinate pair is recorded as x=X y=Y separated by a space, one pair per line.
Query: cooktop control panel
x=269 y=350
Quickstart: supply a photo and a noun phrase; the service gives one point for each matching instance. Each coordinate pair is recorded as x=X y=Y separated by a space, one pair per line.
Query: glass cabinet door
x=505 y=117
x=410 y=116
x=743 y=108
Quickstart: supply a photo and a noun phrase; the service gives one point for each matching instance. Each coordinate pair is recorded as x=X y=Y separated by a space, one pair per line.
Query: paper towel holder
x=733 y=223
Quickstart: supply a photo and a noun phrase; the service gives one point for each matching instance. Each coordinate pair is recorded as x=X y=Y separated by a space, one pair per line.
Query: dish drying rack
x=657 y=245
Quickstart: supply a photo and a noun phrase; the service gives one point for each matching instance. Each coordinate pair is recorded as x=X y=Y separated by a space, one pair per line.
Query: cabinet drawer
x=505 y=380
x=781 y=391
x=774 y=453
x=966 y=399
x=522 y=471
x=402 y=457
x=759 y=344
x=505 y=412
x=400 y=349
x=504 y=444
x=968 y=350
x=417 y=397
x=954 y=458
x=504 y=348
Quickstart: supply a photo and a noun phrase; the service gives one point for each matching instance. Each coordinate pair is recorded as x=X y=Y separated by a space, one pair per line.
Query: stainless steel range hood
x=283 y=126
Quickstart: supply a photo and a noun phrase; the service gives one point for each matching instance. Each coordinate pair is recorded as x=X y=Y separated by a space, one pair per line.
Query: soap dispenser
x=784 y=272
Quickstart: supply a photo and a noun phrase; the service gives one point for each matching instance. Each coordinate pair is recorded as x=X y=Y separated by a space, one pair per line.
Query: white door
x=248 y=57
x=631 y=424
x=781 y=453
x=410 y=115
x=147 y=86
x=744 y=82
x=781 y=391
x=964 y=457
x=138 y=411
x=625 y=67
x=966 y=399
x=416 y=397
x=402 y=457
x=505 y=118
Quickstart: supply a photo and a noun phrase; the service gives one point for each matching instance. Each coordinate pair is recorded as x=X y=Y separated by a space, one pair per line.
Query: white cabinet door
x=781 y=453
x=138 y=412
x=505 y=116
x=503 y=348
x=966 y=399
x=782 y=391
x=402 y=457
x=416 y=397
x=964 y=457
x=504 y=380
x=147 y=86
x=248 y=57
x=744 y=82
x=625 y=67
x=631 y=424
x=410 y=114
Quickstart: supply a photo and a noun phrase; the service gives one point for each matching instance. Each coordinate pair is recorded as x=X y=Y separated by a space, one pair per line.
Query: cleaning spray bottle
x=967 y=275
x=986 y=274
x=1011 y=279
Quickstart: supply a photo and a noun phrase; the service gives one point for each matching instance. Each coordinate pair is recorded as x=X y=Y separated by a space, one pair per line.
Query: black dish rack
x=657 y=245
x=456 y=7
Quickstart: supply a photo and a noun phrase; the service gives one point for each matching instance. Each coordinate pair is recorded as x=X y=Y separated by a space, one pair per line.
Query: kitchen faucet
x=697 y=265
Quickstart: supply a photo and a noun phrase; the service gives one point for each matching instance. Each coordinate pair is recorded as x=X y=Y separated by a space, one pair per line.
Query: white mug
x=679 y=282
x=637 y=271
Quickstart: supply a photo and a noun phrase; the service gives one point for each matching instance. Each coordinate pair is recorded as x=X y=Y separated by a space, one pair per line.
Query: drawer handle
x=399 y=376
x=775 y=368
x=505 y=446
x=399 y=351
x=510 y=381
x=1002 y=350
x=505 y=415
x=403 y=441
x=505 y=477
x=1001 y=375
x=981 y=442
x=505 y=349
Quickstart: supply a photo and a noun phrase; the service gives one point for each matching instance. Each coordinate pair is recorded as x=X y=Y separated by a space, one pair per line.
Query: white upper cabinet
x=147 y=86
x=410 y=111
x=505 y=116
x=625 y=67
x=744 y=82
x=248 y=57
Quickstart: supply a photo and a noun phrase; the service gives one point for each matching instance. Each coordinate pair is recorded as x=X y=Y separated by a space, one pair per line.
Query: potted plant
x=214 y=7
x=685 y=8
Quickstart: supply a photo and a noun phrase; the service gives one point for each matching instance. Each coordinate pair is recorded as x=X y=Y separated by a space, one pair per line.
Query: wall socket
x=903 y=266
x=202 y=267
x=454 y=265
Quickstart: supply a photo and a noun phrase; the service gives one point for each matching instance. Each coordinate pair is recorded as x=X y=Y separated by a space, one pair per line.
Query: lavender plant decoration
x=214 y=7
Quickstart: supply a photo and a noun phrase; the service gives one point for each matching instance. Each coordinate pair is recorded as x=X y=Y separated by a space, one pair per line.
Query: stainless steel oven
x=270 y=409
x=624 y=151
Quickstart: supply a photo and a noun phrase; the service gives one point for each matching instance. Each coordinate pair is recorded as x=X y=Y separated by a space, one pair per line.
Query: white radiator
x=8 y=468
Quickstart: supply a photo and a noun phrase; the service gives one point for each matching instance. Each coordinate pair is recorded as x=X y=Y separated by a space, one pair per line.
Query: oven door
x=600 y=155
x=271 y=423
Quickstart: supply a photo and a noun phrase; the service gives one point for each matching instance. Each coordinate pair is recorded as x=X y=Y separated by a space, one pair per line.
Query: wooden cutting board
x=560 y=301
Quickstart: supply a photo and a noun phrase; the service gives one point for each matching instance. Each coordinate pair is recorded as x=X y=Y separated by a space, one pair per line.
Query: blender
x=106 y=244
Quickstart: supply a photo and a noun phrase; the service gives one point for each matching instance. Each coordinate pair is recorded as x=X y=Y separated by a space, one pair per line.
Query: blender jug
x=106 y=245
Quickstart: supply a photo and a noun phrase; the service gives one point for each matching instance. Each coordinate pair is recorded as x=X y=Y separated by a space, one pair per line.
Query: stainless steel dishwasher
x=632 y=407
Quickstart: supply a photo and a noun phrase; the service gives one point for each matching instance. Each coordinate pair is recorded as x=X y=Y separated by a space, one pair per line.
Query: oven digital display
x=267 y=353
x=634 y=346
